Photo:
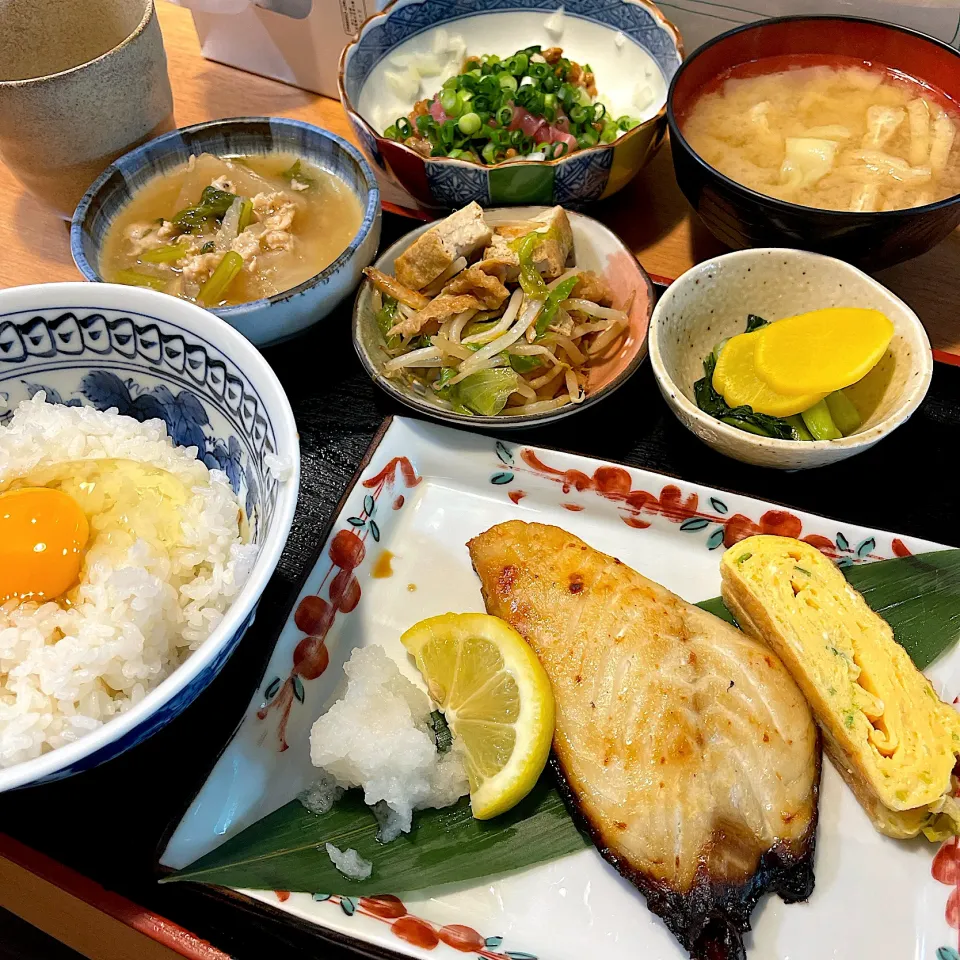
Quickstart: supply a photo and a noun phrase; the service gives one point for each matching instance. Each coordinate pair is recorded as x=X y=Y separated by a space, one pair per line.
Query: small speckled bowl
x=596 y=248
x=711 y=301
x=290 y=312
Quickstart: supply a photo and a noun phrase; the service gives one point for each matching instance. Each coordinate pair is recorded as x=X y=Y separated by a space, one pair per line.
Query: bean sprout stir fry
x=513 y=333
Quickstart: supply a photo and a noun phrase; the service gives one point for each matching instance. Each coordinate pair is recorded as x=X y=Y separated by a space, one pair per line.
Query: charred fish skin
x=710 y=920
x=682 y=747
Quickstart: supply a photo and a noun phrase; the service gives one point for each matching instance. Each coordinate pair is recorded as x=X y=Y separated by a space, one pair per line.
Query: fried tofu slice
x=461 y=234
x=549 y=256
x=486 y=287
x=591 y=286
x=392 y=288
x=439 y=309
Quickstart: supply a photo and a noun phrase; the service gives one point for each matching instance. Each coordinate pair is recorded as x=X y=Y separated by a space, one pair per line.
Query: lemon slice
x=735 y=379
x=495 y=698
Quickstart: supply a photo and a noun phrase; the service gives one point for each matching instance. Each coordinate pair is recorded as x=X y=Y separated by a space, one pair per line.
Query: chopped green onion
x=518 y=63
x=215 y=289
x=489 y=152
x=391 y=133
x=448 y=100
x=469 y=124
x=507 y=82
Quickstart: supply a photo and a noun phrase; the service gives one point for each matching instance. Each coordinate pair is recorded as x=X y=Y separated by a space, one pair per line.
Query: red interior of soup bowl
x=923 y=58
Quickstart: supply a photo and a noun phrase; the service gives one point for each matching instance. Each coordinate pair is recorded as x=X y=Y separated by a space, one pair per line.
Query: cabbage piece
x=807 y=161
x=485 y=392
x=882 y=124
x=919 y=113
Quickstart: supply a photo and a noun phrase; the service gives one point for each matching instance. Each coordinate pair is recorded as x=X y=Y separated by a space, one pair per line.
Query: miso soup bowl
x=290 y=312
x=711 y=301
x=741 y=217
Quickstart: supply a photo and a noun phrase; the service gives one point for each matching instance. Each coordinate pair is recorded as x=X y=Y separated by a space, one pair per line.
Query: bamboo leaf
x=919 y=596
x=285 y=850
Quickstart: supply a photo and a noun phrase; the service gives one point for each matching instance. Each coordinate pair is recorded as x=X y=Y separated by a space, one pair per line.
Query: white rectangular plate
x=424 y=492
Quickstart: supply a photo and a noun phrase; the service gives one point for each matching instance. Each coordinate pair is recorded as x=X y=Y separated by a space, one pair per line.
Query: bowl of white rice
x=166 y=440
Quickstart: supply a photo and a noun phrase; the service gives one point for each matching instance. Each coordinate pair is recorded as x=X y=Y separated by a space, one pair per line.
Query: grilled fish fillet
x=685 y=746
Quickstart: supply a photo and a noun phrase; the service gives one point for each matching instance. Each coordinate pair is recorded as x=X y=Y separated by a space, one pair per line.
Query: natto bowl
x=412 y=26
x=104 y=345
x=286 y=314
x=596 y=248
x=710 y=302
x=742 y=217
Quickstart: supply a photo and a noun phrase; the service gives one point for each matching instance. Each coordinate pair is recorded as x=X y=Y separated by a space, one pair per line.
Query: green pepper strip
x=530 y=280
x=214 y=290
x=552 y=304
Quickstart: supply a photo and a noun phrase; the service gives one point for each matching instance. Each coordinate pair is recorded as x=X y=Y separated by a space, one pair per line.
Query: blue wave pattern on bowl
x=414 y=18
x=584 y=181
x=148 y=368
x=201 y=396
x=457 y=184
x=112 y=191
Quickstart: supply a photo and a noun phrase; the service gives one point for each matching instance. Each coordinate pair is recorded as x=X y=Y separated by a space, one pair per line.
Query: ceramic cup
x=81 y=82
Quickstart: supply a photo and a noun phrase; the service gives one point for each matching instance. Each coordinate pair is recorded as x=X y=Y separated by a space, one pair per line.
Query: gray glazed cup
x=81 y=83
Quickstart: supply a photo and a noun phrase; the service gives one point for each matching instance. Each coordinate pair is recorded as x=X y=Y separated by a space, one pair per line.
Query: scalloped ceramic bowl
x=288 y=313
x=711 y=301
x=212 y=387
x=505 y=26
x=596 y=248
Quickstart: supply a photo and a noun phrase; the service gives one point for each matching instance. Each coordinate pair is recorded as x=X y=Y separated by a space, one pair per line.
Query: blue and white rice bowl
x=286 y=314
x=149 y=355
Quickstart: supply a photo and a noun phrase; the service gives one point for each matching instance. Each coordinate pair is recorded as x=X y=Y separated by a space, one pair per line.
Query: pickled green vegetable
x=820 y=423
x=796 y=421
x=845 y=414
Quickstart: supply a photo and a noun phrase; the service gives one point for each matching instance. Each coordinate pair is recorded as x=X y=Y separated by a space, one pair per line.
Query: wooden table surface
x=651 y=214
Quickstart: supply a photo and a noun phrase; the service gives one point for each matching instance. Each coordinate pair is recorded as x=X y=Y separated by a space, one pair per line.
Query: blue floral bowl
x=618 y=38
x=154 y=356
x=291 y=312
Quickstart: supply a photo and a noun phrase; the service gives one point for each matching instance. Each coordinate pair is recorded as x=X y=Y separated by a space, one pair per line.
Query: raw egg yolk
x=42 y=535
